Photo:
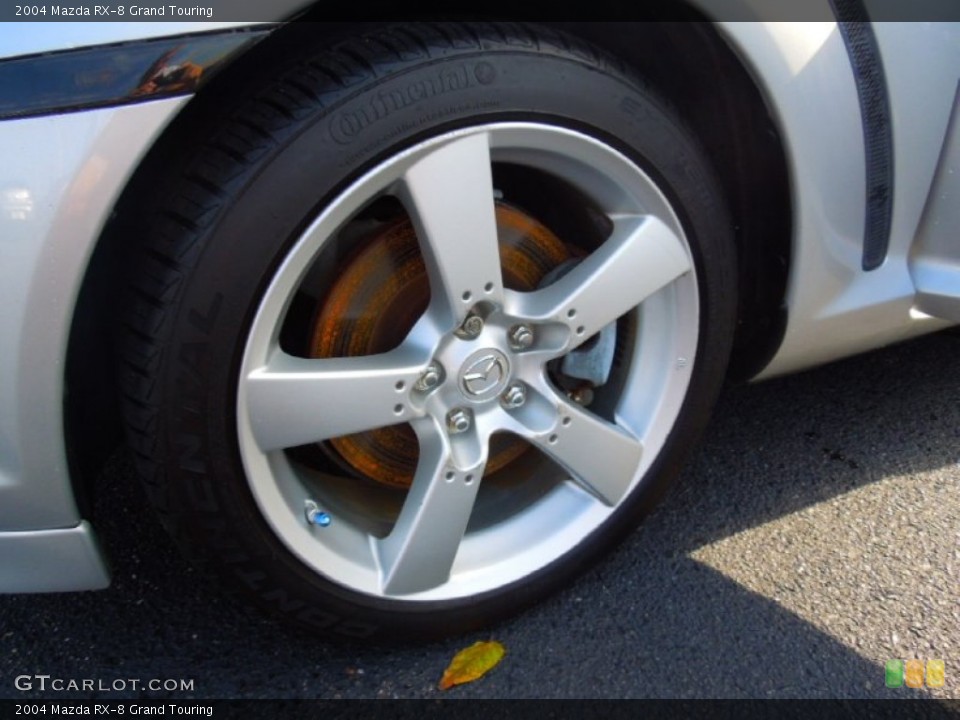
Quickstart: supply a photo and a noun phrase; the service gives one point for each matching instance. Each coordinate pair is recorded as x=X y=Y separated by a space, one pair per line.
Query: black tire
x=241 y=196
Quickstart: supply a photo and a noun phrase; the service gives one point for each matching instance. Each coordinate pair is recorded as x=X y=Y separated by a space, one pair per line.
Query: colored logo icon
x=935 y=673
x=894 y=673
x=914 y=673
x=898 y=673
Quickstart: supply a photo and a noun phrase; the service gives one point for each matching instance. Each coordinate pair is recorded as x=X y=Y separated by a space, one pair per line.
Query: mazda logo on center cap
x=484 y=374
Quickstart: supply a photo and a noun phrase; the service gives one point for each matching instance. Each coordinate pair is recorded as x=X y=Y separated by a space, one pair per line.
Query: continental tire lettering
x=190 y=453
x=355 y=629
x=253 y=579
x=347 y=125
x=203 y=498
x=193 y=359
x=281 y=600
x=634 y=109
x=317 y=618
x=204 y=322
x=229 y=553
x=307 y=614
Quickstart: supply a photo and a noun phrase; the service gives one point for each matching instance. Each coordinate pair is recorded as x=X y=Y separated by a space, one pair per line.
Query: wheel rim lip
x=494 y=557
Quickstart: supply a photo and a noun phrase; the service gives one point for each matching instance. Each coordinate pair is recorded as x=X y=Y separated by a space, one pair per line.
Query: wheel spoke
x=642 y=256
x=419 y=552
x=294 y=401
x=600 y=456
x=449 y=195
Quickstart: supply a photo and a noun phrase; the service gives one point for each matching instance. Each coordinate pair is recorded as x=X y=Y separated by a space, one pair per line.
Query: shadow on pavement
x=651 y=622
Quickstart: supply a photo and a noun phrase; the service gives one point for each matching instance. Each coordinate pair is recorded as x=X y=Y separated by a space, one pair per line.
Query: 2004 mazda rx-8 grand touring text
x=405 y=324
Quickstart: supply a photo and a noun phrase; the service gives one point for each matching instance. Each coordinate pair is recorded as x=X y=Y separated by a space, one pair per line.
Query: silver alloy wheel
x=438 y=548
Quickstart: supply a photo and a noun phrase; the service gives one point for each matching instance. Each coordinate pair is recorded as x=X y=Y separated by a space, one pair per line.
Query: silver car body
x=62 y=175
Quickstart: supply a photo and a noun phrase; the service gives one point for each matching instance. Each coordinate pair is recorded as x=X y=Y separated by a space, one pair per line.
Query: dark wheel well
x=687 y=62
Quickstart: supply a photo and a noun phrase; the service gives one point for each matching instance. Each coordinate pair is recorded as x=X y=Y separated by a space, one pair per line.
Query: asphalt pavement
x=814 y=536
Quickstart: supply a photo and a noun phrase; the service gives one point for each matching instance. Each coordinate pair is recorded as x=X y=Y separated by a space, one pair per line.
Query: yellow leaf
x=472 y=663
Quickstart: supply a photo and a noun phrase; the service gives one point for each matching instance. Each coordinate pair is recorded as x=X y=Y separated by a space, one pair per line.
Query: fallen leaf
x=472 y=663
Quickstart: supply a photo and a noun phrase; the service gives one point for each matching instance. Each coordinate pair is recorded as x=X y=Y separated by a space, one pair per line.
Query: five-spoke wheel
x=475 y=364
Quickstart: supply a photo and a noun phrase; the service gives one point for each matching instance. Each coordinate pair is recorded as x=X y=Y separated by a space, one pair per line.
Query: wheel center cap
x=484 y=374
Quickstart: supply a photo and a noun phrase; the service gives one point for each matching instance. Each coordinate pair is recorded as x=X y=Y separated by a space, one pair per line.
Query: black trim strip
x=117 y=74
x=861 y=43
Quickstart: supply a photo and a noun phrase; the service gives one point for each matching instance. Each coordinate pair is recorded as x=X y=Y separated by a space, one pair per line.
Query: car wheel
x=425 y=326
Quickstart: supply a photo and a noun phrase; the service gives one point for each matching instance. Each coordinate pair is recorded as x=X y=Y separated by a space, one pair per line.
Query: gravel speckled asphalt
x=815 y=534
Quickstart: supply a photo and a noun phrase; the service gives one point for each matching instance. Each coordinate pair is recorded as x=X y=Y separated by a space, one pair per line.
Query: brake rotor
x=379 y=294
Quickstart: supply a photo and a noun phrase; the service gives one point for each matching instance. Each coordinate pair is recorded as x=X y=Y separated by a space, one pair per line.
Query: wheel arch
x=92 y=419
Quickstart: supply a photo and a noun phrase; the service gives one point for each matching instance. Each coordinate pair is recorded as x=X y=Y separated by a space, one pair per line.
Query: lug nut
x=458 y=421
x=471 y=327
x=430 y=378
x=514 y=396
x=520 y=337
x=316 y=516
